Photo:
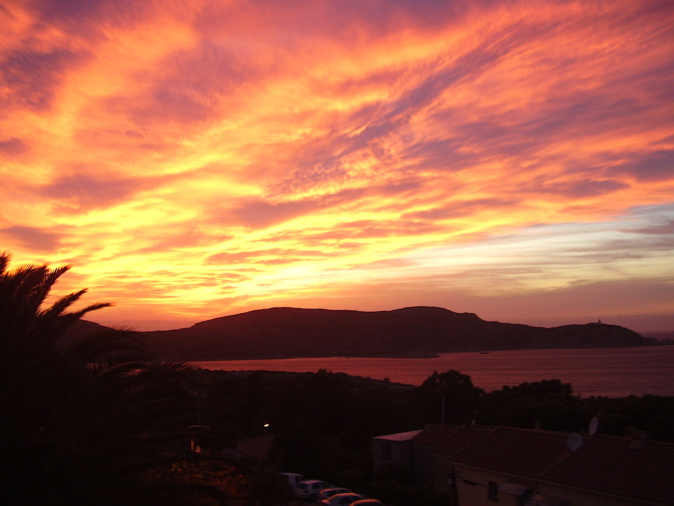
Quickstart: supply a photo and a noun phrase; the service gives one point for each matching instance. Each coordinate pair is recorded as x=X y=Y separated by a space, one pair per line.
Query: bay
x=611 y=372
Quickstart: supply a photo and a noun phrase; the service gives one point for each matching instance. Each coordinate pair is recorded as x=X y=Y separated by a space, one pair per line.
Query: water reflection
x=613 y=372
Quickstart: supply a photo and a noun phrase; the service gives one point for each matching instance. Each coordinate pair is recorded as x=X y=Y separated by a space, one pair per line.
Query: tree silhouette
x=87 y=420
x=33 y=372
x=452 y=395
x=26 y=326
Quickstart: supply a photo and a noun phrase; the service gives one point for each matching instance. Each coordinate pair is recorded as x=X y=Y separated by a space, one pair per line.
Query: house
x=393 y=451
x=424 y=446
x=480 y=465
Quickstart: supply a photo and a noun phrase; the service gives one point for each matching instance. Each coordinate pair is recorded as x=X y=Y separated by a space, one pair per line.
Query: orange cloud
x=204 y=157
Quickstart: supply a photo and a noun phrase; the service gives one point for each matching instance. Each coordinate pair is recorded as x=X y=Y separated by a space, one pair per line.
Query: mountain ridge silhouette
x=418 y=331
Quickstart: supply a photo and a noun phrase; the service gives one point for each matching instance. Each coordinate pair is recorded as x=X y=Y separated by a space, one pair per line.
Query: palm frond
x=4 y=261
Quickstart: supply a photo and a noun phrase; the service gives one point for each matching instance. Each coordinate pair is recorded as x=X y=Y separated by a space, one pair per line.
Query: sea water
x=612 y=372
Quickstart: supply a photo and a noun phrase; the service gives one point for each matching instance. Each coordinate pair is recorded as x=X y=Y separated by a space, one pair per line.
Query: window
x=492 y=491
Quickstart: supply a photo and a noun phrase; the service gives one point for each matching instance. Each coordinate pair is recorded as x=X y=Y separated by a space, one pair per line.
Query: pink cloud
x=294 y=139
x=32 y=78
x=92 y=189
x=43 y=240
x=13 y=147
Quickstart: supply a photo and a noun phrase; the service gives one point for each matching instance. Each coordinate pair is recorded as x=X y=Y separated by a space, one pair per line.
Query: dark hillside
x=413 y=331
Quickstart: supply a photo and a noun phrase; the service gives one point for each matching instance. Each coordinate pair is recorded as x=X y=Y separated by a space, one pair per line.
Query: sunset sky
x=194 y=159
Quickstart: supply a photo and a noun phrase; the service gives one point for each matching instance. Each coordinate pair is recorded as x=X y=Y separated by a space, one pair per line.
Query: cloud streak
x=234 y=155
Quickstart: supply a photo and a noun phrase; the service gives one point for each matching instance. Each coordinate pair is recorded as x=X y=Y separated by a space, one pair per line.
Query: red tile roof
x=612 y=465
x=434 y=434
x=603 y=464
x=520 y=452
x=461 y=439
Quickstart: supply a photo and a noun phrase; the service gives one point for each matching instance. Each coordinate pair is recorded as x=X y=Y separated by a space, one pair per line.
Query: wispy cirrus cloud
x=90 y=189
x=519 y=147
x=33 y=238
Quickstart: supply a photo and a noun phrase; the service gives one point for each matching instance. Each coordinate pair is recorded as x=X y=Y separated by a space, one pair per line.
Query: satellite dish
x=594 y=426
x=574 y=441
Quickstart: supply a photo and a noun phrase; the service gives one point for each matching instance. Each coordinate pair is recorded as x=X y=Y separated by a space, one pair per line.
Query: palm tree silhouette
x=86 y=420
x=43 y=386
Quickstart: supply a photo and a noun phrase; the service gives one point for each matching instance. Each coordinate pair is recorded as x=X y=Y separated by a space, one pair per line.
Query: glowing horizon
x=203 y=158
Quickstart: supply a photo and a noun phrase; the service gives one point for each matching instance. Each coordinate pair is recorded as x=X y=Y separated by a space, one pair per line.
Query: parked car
x=329 y=492
x=309 y=489
x=340 y=499
x=293 y=479
x=367 y=502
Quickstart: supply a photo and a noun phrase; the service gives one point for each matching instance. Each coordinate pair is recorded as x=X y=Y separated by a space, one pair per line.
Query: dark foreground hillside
x=413 y=332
